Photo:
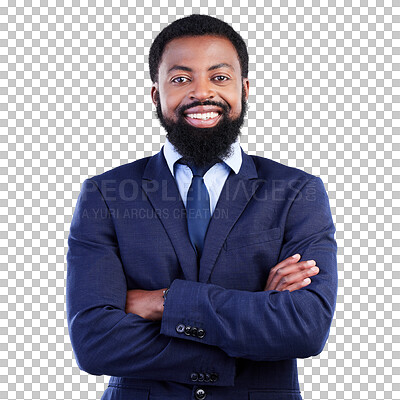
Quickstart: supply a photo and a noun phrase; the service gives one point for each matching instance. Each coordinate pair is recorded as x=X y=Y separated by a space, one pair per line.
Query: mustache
x=182 y=109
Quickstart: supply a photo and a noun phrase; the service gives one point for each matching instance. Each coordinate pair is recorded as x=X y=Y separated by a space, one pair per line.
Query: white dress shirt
x=214 y=178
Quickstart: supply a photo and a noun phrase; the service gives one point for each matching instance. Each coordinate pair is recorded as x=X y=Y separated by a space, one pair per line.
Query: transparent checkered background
x=75 y=101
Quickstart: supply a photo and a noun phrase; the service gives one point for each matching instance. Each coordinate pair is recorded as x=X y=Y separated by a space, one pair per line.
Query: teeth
x=203 y=116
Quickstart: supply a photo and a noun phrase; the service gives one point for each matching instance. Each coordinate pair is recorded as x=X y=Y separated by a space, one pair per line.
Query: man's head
x=199 y=68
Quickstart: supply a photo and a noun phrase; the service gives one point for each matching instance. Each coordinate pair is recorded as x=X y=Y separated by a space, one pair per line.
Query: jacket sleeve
x=105 y=339
x=269 y=325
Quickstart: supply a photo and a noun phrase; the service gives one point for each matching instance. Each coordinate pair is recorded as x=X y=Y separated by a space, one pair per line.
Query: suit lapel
x=236 y=193
x=163 y=194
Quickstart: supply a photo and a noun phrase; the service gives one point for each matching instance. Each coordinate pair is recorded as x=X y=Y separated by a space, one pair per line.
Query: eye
x=224 y=78
x=179 y=77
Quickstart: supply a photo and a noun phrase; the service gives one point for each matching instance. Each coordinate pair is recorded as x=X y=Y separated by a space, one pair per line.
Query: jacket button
x=200 y=394
x=214 y=377
x=201 y=333
x=194 y=331
x=194 y=376
x=207 y=377
x=188 y=330
x=201 y=377
x=180 y=328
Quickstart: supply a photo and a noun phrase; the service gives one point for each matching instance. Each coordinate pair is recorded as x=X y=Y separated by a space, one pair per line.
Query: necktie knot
x=196 y=170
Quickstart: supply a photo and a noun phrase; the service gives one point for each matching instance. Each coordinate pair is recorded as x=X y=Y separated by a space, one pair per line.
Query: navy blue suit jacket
x=221 y=335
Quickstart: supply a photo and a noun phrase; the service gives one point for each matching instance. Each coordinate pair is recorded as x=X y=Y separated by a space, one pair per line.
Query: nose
x=202 y=89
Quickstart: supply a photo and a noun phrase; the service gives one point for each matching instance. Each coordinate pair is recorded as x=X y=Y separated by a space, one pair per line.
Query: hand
x=290 y=274
x=148 y=304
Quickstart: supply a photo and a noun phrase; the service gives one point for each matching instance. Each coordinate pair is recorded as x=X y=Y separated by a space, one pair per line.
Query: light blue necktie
x=198 y=208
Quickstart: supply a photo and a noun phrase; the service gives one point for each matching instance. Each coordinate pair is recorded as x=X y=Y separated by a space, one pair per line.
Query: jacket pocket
x=274 y=395
x=236 y=242
x=125 y=393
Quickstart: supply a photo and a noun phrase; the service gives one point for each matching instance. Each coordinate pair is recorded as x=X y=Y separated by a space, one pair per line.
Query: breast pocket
x=237 y=242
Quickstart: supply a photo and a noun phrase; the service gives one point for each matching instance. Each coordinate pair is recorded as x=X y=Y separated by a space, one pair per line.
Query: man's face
x=200 y=96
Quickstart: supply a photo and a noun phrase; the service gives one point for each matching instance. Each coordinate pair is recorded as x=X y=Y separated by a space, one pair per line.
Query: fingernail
x=310 y=262
x=296 y=256
x=307 y=280
x=315 y=269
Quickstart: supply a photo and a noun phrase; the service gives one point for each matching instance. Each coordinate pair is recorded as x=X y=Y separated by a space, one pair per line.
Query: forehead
x=199 y=52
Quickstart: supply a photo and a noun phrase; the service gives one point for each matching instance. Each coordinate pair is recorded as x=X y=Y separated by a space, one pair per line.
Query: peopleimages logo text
x=130 y=190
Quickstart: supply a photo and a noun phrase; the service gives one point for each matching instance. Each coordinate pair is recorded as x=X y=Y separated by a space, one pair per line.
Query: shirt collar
x=234 y=161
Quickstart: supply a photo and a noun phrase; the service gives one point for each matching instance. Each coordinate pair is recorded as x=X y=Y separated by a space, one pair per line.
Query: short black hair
x=196 y=25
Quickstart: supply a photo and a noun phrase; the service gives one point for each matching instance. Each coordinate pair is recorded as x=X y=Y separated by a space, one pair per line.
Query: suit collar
x=234 y=160
x=158 y=164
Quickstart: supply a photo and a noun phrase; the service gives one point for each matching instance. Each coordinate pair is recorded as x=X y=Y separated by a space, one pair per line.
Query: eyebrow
x=183 y=68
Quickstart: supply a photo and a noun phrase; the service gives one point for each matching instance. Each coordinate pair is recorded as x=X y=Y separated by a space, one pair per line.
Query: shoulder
x=269 y=169
x=277 y=176
x=133 y=170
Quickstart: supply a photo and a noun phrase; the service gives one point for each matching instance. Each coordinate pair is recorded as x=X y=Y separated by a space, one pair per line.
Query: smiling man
x=203 y=101
x=189 y=271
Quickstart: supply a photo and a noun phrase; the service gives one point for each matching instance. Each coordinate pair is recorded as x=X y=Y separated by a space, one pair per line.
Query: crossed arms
x=289 y=274
x=111 y=335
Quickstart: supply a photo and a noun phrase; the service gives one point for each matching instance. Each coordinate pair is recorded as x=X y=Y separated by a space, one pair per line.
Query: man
x=189 y=271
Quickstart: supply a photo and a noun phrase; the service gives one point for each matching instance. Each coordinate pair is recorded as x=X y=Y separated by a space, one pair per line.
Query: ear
x=154 y=91
x=246 y=86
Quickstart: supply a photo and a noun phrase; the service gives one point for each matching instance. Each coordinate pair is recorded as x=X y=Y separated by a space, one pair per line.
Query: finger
x=284 y=263
x=281 y=273
x=293 y=273
x=299 y=285
x=296 y=277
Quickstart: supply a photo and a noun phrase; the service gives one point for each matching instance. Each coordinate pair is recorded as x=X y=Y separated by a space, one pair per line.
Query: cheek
x=169 y=103
x=236 y=108
x=166 y=108
x=233 y=98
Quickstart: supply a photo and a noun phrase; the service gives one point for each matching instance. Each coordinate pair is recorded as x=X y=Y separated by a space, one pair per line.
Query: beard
x=203 y=146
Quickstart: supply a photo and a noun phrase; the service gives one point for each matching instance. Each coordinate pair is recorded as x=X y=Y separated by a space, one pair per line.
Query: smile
x=203 y=119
